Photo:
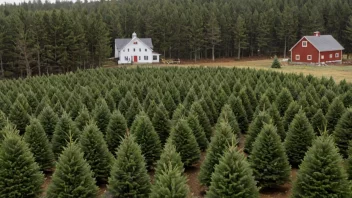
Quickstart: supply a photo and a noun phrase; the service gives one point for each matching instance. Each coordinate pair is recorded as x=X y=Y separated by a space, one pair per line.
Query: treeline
x=65 y=36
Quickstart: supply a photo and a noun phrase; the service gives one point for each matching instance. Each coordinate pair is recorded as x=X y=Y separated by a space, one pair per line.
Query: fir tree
x=179 y=112
x=19 y=173
x=39 y=145
x=240 y=113
x=169 y=103
x=161 y=124
x=115 y=131
x=197 y=109
x=3 y=120
x=122 y=107
x=83 y=118
x=197 y=130
x=73 y=176
x=232 y=177
x=129 y=176
x=299 y=138
x=343 y=132
x=48 y=118
x=349 y=161
x=254 y=129
x=142 y=128
x=228 y=116
x=277 y=121
x=283 y=100
x=321 y=173
x=102 y=114
x=335 y=111
x=95 y=151
x=246 y=104
x=324 y=104
x=132 y=111
x=276 y=63
x=151 y=109
x=290 y=113
x=218 y=145
x=64 y=129
x=268 y=159
x=19 y=116
x=318 y=122
x=186 y=144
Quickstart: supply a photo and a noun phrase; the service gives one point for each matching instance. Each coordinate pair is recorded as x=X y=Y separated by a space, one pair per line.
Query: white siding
x=132 y=49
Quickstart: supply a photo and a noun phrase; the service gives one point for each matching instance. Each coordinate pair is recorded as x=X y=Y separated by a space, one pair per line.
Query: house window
x=298 y=57
x=309 y=57
x=304 y=44
x=140 y=49
x=139 y=58
x=337 y=55
x=128 y=49
x=330 y=55
x=126 y=58
x=145 y=49
x=145 y=57
x=123 y=50
x=322 y=57
x=135 y=43
x=134 y=49
x=155 y=57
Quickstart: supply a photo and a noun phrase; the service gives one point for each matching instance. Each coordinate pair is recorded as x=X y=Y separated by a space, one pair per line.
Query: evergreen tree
x=48 y=118
x=349 y=161
x=321 y=172
x=186 y=144
x=179 y=112
x=19 y=173
x=343 y=132
x=198 y=131
x=95 y=151
x=254 y=129
x=122 y=107
x=102 y=114
x=299 y=138
x=276 y=63
x=64 y=129
x=115 y=131
x=132 y=111
x=277 y=121
x=283 y=100
x=268 y=159
x=219 y=144
x=169 y=103
x=324 y=104
x=228 y=116
x=232 y=177
x=161 y=124
x=240 y=113
x=129 y=176
x=73 y=176
x=197 y=109
x=142 y=128
x=290 y=113
x=318 y=122
x=83 y=118
x=39 y=145
x=335 y=111
x=19 y=115
x=246 y=104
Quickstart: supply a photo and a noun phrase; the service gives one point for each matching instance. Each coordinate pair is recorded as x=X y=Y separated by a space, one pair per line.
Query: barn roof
x=323 y=43
x=120 y=43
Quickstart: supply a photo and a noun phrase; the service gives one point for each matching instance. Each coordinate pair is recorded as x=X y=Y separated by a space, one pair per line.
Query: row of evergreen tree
x=40 y=37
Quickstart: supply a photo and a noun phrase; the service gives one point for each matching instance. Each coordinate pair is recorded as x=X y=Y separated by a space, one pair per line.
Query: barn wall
x=304 y=52
x=327 y=56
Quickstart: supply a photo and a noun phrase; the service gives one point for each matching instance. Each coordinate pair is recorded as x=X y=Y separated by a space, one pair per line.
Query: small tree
x=39 y=145
x=197 y=130
x=161 y=124
x=168 y=158
x=318 y=122
x=83 y=118
x=129 y=176
x=276 y=63
x=186 y=144
x=343 y=132
x=277 y=121
x=142 y=128
x=115 y=131
x=102 y=114
x=96 y=152
x=228 y=116
x=240 y=113
x=283 y=100
x=72 y=176
x=197 y=109
x=218 y=145
x=19 y=173
x=290 y=113
x=335 y=111
x=299 y=138
x=321 y=172
x=19 y=115
x=349 y=161
x=132 y=111
x=48 y=118
x=233 y=177
x=268 y=159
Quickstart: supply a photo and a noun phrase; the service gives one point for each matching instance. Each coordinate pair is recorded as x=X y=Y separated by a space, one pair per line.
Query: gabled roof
x=121 y=43
x=323 y=43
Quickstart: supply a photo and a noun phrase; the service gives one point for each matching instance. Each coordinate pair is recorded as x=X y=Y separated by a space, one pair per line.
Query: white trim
x=341 y=56
x=319 y=58
x=322 y=57
x=337 y=55
x=139 y=40
x=330 y=56
x=306 y=43
x=299 y=57
x=311 y=57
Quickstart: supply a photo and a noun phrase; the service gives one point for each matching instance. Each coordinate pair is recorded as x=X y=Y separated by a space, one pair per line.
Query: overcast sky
x=19 y=1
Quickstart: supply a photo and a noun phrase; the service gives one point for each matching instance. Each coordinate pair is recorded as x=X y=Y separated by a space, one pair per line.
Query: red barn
x=317 y=49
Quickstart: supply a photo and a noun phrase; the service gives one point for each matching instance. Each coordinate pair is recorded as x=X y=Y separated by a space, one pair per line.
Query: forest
x=44 y=38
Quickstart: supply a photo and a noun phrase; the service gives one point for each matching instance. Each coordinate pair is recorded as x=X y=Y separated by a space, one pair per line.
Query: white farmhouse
x=135 y=50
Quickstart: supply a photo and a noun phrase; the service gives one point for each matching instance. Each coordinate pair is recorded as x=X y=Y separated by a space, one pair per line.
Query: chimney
x=317 y=33
x=134 y=35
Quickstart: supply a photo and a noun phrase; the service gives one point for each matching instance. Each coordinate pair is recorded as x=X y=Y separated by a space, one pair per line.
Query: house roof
x=323 y=43
x=120 y=43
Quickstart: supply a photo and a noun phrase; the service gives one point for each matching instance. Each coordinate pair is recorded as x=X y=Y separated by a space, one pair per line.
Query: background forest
x=44 y=38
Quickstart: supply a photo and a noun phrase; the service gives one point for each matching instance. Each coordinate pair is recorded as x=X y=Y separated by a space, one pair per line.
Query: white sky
x=20 y=1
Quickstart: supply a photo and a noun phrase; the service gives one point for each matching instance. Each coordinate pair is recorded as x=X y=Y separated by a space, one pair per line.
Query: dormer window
x=135 y=42
x=134 y=49
x=128 y=49
x=140 y=49
x=304 y=44
x=145 y=49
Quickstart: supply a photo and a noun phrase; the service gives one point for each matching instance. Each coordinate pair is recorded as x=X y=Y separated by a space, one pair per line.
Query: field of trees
x=139 y=130
x=41 y=38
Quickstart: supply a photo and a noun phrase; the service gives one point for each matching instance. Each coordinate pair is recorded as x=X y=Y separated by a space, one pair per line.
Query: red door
x=135 y=59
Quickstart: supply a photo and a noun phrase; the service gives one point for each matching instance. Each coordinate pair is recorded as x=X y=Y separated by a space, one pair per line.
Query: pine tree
x=180 y=112
x=277 y=121
x=186 y=144
x=228 y=116
x=240 y=113
x=115 y=131
x=19 y=173
x=83 y=118
x=246 y=104
x=198 y=131
x=39 y=145
x=321 y=173
x=290 y=113
x=142 y=128
x=161 y=124
x=19 y=115
x=129 y=176
x=197 y=109
x=102 y=114
x=64 y=129
x=349 y=161
x=73 y=176
x=48 y=118
x=276 y=63
x=335 y=111
x=122 y=107
x=343 y=132
x=283 y=100
x=3 y=120
x=169 y=103
x=318 y=122
x=268 y=159
x=219 y=144
x=254 y=129
x=132 y=111
x=232 y=177
x=299 y=138
x=191 y=97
